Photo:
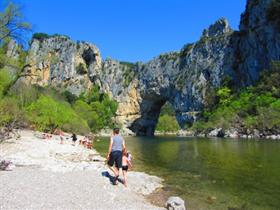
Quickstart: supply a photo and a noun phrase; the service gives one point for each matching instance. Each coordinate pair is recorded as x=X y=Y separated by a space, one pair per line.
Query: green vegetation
x=47 y=114
x=169 y=56
x=255 y=107
x=129 y=72
x=97 y=109
x=12 y=24
x=46 y=109
x=42 y=36
x=185 y=50
x=167 y=121
x=10 y=112
x=5 y=80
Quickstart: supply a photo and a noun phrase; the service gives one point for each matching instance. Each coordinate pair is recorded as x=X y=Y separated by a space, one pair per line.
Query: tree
x=12 y=24
x=46 y=114
x=167 y=123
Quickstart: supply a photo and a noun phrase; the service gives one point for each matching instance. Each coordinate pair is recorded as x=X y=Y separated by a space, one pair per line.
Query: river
x=211 y=173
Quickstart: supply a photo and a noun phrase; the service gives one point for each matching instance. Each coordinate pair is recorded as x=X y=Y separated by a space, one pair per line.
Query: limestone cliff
x=62 y=63
x=182 y=78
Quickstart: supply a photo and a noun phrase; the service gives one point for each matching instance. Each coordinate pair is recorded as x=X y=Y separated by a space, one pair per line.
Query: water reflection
x=238 y=172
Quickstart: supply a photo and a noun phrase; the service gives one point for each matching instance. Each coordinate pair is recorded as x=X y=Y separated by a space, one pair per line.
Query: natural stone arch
x=150 y=111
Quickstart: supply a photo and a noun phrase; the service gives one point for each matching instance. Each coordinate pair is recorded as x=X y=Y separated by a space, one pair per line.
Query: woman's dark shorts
x=115 y=157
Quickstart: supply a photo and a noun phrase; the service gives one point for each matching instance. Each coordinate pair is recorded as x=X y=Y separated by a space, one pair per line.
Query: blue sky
x=131 y=30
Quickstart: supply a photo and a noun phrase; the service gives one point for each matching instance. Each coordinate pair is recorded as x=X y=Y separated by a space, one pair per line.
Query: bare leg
x=114 y=170
x=125 y=178
x=116 y=173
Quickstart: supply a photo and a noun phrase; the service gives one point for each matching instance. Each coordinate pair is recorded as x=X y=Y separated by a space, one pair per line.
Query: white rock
x=218 y=132
x=175 y=203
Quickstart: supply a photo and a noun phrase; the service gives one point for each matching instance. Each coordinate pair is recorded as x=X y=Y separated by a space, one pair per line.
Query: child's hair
x=128 y=154
x=124 y=152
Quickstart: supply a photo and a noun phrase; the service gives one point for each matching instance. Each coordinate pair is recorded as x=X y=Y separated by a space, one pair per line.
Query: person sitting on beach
x=114 y=157
x=74 y=138
x=46 y=136
x=84 y=141
x=61 y=136
x=126 y=164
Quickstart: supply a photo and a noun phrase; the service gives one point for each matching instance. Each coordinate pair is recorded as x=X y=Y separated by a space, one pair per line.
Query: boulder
x=232 y=133
x=175 y=203
x=183 y=133
x=217 y=132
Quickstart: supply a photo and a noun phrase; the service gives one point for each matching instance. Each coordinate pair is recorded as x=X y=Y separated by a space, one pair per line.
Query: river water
x=211 y=173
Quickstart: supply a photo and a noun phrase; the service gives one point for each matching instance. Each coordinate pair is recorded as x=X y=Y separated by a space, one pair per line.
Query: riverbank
x=216 y=133
x=50 y=175
x=228 y=133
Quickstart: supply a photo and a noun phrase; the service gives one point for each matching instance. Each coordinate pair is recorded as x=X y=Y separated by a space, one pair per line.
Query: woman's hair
x=116 y=130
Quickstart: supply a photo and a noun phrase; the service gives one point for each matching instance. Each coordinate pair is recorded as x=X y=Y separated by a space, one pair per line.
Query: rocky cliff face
x=59 y=62
x=258 y=42
x=182 y=78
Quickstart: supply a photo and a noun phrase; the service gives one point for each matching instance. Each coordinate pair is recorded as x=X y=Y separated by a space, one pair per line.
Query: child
x=126 y=163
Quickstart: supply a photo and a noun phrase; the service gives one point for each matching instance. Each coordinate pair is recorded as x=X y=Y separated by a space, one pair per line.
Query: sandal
x=116 y=180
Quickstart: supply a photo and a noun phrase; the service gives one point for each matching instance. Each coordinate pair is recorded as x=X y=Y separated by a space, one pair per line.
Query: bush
x=97 y=109
x=5 y=80
x=70 y=97
x=10 y=112
x=167 y=123
x=185 y=50
x=25 y=94
x=224 y=95
x=47 y=114
x=255 y=107
x=40 y=36
x=85 y=111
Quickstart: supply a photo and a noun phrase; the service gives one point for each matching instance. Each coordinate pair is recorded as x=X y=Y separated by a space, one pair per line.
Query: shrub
x=85 y=111
x=5 y=80
x=129 y=72
x=47 y=114
x=98 y=109
x=25 y=94
x=10 y=112
x=167 y=109
x=185 y=50
x=224 y=95
x=70 y=97
x=167 y=123
x=40 y=36
x=255 y=107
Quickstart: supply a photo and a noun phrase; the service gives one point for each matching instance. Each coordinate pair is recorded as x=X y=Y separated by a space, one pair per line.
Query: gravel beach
x=50 y=175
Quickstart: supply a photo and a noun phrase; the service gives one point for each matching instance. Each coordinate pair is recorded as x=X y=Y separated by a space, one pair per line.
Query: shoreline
x=47 y=159
x=215 y=133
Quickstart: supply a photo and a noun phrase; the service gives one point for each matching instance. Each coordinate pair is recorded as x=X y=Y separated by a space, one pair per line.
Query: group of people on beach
x=86 y=141
x=118 y=157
